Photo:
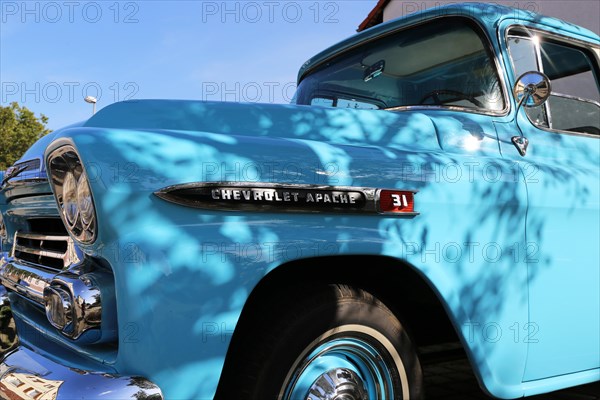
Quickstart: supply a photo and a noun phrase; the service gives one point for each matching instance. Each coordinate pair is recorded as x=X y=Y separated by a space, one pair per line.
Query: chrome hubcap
x=338 y=384
x=351 y=362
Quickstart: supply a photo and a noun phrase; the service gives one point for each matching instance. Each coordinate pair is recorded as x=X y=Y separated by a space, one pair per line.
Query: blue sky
x=54 y=53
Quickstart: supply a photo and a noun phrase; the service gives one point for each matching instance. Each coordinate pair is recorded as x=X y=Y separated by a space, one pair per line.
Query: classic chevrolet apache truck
x=434 y=183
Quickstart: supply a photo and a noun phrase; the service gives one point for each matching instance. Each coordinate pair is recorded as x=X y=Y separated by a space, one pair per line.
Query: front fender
x=182 y=275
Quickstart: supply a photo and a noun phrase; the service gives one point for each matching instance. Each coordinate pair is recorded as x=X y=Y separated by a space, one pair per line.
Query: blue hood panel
x=343 y=126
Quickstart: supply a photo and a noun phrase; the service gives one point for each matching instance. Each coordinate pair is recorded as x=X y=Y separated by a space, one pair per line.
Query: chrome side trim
x=280 y=197
x=23 y=371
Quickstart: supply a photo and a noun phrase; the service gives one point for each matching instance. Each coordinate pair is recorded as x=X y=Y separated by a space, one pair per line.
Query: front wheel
x=337 y=343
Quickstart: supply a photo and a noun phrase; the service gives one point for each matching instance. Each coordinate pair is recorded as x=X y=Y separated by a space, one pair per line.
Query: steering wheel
x=462 y=96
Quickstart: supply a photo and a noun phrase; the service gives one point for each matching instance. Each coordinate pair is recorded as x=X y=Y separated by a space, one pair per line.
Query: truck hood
x=403 y=130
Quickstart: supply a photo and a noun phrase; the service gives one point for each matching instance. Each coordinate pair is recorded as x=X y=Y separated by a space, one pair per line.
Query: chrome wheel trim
x=338 y=384
x=321 y=346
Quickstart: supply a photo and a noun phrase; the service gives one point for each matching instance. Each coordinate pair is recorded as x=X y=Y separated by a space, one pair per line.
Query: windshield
x=444 y=63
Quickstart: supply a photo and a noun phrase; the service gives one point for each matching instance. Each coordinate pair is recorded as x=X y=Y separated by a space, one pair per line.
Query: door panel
x=563 y=223
x=563 y=219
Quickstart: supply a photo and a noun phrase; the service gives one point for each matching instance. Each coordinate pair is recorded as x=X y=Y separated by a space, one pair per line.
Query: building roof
x=375 y=16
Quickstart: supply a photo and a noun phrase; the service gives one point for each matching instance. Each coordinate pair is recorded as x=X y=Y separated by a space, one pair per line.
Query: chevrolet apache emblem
x=231 y=196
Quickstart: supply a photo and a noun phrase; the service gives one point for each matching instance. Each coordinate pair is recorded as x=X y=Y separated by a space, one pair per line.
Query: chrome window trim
x=540 y=64
x=441 y=108
x=589 y=45
x=568 y=96
x=561 y=38
x=486 y=40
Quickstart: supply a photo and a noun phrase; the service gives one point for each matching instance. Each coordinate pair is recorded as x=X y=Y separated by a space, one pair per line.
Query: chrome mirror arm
x=532 y=89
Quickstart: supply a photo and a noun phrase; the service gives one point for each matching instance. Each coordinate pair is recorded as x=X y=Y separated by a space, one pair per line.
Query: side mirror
x=532 y=89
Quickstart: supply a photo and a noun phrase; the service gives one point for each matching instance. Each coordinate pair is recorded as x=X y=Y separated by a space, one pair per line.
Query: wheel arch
x=398 y=284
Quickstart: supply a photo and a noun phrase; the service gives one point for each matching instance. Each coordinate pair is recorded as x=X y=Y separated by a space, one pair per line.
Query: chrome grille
x=51 y=251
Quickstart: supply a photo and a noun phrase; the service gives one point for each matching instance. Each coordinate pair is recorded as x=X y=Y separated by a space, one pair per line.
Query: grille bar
x=50 y=251
x=36 y=236
x=43 y=253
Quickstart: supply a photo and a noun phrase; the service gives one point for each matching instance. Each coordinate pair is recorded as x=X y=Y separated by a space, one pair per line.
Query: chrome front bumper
x=25 y=374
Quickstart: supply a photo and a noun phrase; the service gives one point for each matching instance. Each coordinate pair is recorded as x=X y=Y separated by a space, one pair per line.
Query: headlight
x=69 y=199
x=73 y=194
x=85 y=202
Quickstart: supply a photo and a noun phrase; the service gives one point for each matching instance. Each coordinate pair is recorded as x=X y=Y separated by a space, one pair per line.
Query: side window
x=574 y=104
x=575 y=101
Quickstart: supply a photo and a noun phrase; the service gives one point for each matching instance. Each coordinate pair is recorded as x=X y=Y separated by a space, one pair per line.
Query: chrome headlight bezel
x=72 y=190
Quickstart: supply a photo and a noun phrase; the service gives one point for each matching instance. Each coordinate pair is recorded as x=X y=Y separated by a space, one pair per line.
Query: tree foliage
x=19 y=129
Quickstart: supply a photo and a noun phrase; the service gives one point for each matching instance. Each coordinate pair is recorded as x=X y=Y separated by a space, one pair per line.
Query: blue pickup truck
x=434 y=182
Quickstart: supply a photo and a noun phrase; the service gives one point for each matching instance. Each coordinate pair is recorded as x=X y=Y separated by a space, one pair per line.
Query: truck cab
x=434 y=183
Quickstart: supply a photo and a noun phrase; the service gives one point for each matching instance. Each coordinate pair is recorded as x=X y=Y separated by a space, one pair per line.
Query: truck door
x=562 y=171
